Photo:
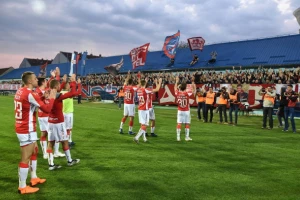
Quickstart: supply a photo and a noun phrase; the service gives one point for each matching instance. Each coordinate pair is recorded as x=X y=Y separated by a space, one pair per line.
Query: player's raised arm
x=158 y=86
x=127 y=78
x=35 y=99
x=57 y=73
x=194 y=86
x=73 y=91
x=52 y=72
x=64 y=81
x=139 y=80
x=176 y=83
x=70 y=94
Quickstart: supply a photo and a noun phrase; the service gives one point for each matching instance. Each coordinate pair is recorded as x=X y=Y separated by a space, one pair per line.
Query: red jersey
x=56 y=115
x=26 y=103
x=182 y=100
x=46 y=101
x=143 y=96
x=129 y=94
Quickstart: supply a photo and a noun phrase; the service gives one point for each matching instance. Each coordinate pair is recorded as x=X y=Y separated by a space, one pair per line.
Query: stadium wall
x=166 y=95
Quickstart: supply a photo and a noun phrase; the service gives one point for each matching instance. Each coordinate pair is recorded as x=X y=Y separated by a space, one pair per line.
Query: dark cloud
x=115 y=27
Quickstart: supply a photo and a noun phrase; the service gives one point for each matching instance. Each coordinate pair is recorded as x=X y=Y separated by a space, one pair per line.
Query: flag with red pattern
x=138 y=55
x=196 y=43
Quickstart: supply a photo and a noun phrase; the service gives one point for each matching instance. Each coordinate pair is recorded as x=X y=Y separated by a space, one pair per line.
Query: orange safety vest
x=200 y=98
x=270 y=98
x=233 y=97
x=121 y=93
x=210 y=98
x=222 y=100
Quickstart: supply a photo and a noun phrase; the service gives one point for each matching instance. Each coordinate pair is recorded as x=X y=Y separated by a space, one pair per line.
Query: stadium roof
x=276 y=51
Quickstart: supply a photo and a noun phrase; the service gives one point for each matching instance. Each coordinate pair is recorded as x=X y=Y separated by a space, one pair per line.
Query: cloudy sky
x=42 y=28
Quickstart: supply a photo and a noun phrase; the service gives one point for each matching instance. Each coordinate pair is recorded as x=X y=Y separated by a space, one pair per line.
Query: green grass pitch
x=222 y=162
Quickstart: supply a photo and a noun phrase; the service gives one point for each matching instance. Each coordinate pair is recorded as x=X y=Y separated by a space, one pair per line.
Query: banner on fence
x=10 y=86
x=166 y=95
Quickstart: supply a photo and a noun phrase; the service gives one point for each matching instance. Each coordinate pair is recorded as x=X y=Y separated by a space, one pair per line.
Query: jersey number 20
x=141 y=100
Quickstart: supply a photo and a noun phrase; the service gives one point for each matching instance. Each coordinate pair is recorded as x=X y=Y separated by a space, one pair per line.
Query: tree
x=183 y=45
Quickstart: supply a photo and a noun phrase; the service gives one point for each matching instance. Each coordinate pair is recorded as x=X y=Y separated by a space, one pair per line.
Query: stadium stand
x=29 y=62
x=5 y=70
x=282 y=51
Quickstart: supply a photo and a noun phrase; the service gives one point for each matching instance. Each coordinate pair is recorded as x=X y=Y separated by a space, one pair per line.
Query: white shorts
x=68 y=120
x=28 y=138
x=43 y=122
x=151 y=114
x=183 y=117
x=129 y=110
x=144 y=117
x=57 y=132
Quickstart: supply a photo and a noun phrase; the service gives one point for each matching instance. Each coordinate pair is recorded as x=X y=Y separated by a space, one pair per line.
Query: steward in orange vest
x=268 y=105
x=210 y=98
x=223 y=101
x=121 y=95
x=234 y=99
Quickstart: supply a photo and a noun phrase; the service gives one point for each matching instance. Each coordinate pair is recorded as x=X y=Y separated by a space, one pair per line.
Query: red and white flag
x=196 y=43
x=138 y=55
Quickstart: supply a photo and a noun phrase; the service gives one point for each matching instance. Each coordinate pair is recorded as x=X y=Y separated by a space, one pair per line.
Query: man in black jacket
x=235 y=101
x=289 y=110
x=282 y=103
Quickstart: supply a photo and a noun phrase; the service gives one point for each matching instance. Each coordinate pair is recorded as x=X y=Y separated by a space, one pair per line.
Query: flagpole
x=76 y=66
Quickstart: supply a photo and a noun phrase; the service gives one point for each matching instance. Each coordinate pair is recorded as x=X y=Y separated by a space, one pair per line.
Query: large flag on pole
x=73 y=63
x=82 y=66
x=114 y=69
x=138 y=55
x=196 y=43
x=43 y=69
x=170 y=45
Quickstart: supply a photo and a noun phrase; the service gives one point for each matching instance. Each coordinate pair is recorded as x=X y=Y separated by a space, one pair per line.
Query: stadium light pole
x=297 y=15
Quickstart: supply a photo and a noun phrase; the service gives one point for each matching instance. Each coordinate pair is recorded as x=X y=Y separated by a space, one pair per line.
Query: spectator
x=268 y=104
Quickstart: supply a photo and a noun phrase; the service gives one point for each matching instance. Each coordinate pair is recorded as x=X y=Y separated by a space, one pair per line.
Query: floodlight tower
x=297 y=15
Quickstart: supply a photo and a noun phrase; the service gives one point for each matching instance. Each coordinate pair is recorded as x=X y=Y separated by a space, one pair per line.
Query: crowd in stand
x=234 y=76
x=11 y=82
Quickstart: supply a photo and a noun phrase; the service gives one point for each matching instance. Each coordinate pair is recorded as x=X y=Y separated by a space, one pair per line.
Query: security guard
x=234 y=99
x=121 y=96
x=268 y=104
x=209 y=103
x=201 y=103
